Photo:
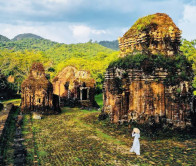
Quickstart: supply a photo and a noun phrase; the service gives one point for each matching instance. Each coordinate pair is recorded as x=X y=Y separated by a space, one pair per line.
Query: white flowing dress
x=136 y=144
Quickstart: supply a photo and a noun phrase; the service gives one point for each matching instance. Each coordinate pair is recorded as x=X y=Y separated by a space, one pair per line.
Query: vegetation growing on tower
x=178 y=67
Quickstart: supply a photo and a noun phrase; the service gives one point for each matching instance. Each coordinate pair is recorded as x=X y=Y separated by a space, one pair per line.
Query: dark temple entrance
x=84 y=94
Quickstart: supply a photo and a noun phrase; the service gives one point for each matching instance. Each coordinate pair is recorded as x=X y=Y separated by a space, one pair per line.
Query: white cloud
x=15 y=5
x=98 y=32
x=111 y=5
x=83 y=33
x=72 y=21
x=54 y=31
x=188 y=23
x=59 y=5
x=58 y=1
x=63 y=32
x=190 y=13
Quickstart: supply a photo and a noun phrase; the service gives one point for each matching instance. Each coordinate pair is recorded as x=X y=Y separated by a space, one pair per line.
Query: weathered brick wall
x=140 y=96
x=136 y=88
x=70 y=85
x=37 y=92
x=157 y=35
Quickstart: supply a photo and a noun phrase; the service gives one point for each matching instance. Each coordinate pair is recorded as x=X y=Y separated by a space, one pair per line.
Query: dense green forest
x=6 y=88
x=189 y=50
x=18 y=54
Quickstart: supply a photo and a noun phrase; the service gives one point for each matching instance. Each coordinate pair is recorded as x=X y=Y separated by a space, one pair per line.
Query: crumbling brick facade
x=37 y=92
x=154 y=34
x=75 y=87
x=133 y=94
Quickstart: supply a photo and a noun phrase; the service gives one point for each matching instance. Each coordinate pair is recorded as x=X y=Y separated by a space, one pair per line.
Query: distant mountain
x=27 y=41
x=3 y=38
x=26 y=36
x=110 y=44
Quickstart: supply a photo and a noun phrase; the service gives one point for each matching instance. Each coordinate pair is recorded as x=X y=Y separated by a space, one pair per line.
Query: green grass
x=66 y=140
x=14 y=101
x=77 y=137
x=99 y=99
x=156 y=149
x=107 y=137
x=42 y=153
x=28 y=135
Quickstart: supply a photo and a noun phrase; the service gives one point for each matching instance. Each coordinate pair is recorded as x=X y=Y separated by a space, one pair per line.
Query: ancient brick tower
x=152 y=34
x=37 y=92
x=75 y=87
x=141 y=89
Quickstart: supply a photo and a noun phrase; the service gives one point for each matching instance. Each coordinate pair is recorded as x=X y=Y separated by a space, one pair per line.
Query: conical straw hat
x=136 y=130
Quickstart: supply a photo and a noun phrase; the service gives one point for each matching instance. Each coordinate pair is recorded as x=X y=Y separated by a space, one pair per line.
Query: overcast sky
x=73 y=21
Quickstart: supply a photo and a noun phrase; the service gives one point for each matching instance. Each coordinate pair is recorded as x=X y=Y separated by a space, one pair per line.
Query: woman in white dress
x=136 y=143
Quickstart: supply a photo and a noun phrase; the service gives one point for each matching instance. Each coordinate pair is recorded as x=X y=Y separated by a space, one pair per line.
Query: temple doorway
x=84 y=94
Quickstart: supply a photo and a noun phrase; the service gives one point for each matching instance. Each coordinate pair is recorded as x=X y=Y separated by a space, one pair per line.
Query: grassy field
x=76 y=137
x=16 y=102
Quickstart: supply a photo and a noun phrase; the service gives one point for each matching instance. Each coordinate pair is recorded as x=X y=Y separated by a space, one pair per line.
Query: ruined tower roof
x=71 y=74
x=37 y=78
x=154 y=34
x=159 y=21
x=37 y=66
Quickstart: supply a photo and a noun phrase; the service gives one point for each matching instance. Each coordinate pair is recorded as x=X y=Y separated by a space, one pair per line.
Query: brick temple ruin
x=37 y=92
x=151 y=34
x=75 y=87
x=132 y=94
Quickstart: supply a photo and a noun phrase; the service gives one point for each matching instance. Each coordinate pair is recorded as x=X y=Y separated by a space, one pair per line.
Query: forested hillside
x=87 y=56
x=27 y=44
x=26 y=36
x=3 y=39
x=110 y=44
x=17 y=56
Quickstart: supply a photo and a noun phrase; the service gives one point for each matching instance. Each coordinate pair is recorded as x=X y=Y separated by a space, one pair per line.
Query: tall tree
x=189 y=50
